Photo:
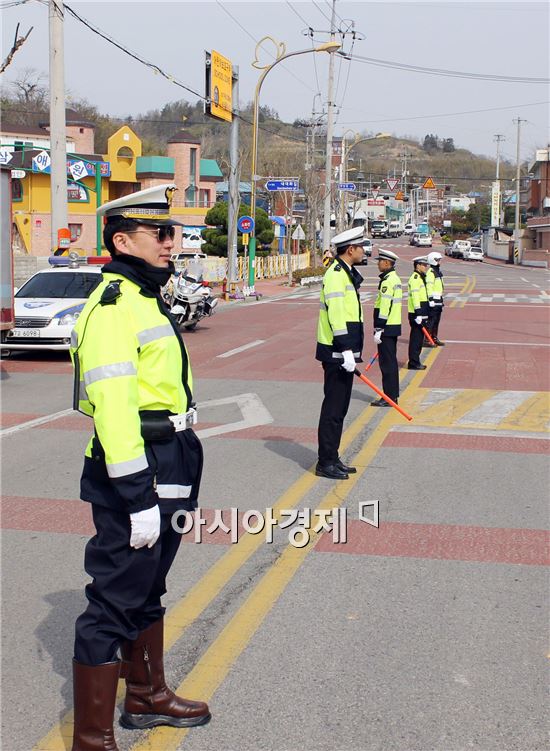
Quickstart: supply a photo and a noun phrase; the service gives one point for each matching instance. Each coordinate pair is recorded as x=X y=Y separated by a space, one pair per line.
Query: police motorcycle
x=187 y=297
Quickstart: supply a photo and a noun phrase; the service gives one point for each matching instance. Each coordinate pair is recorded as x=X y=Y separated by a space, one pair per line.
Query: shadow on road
x=56 y=636
x=297 y=453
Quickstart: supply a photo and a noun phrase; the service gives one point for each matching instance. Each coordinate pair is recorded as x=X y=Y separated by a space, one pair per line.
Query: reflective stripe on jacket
x=418 y=295
x=340 y=324
x=387 y=308
x=435 y=286
x=131 y=359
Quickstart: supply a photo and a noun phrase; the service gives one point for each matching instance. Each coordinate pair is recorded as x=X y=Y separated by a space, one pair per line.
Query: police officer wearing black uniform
x=143 y=463
x=339 y=347
x=387 y=325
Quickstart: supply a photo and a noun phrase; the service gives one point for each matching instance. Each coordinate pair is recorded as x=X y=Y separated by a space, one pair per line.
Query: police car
x=47 y=306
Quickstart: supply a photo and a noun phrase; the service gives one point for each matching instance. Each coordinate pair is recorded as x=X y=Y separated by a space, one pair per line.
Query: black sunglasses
x=161 y=233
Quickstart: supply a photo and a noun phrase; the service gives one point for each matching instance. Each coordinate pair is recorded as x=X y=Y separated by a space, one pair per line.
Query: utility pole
x=517 y=258
x=233 y=208
x=498 y=137
x=330 y=128
x=58 y=130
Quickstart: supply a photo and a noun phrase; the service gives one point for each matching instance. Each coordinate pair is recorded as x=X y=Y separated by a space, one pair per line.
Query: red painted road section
x=466 y=443
x=443 y=542
x=439 y=541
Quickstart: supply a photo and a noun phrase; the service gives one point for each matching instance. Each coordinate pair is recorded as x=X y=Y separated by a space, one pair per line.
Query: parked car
x=423 y=240
x=48 y=305
x=410 y=229
x=474 y=253
x=459 y=247
x=367 y=247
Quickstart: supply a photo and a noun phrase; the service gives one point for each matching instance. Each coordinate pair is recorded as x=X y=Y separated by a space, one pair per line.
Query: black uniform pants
x=338 y=385
x=416 y=339
x=387 y=360
x=433 y=321
x=124 y=596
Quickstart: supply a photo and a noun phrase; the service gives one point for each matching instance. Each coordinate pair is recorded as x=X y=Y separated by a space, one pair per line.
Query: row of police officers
x=340 y=333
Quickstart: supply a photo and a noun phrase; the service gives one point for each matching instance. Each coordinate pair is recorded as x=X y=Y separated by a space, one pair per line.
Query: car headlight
x=69 y=319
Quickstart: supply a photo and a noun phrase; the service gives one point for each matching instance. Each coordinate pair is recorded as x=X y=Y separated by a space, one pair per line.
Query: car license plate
x=25 y=333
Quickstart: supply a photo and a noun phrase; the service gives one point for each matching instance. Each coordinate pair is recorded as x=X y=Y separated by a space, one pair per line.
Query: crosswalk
x=471 y=297
x=527 y=411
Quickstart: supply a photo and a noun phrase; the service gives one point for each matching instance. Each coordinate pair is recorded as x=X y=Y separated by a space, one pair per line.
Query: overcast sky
x=504 y=38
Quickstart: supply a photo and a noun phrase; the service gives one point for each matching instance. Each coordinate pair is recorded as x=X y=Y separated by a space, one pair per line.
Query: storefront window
x=16 y=189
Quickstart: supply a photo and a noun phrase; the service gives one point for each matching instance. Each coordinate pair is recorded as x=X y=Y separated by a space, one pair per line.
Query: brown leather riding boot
x=149 y=701
x=94 y=688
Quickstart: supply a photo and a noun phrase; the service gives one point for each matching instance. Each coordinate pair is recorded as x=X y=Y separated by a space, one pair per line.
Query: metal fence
x=268 y=267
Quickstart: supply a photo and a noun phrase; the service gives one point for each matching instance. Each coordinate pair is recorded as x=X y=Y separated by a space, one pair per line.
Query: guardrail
x=268 y=267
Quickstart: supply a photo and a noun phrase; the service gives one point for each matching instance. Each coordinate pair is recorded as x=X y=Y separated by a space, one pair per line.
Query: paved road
x=428 y=632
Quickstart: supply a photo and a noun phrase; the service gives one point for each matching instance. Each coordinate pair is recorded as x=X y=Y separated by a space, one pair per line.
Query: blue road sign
x=245 y=225
x=282 y=184
x=347 y=186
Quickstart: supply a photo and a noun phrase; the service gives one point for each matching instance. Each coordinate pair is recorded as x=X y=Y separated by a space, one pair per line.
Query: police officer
x=339 y=347
x=143 y=463
x=435 y=287
x=418 y=311
x=387 y=325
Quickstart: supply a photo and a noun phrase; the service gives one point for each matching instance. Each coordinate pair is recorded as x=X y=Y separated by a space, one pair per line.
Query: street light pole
x=329 y=47
x=58 y=130
x=517 y=259
x=330 y=128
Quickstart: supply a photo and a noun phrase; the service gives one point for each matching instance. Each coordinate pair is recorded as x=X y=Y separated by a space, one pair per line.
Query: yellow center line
x=213 y=667
x=465 y=286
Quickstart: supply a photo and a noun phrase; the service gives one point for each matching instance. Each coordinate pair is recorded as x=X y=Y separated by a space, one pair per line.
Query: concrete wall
x=25 y=266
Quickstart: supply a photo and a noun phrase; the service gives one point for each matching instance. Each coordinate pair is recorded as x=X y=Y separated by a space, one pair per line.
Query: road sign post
x=246 y=226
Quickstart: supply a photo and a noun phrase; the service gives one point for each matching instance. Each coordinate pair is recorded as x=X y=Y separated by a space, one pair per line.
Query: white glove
x=418 y=320
x=349 y=361
x=431 y=304
x=378 y=336
x=145 y=527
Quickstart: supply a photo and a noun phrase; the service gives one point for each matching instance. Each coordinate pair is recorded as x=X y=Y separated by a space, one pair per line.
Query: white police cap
x=353 y=236
x=149 y=206
x=386 y=255
x=421 y=259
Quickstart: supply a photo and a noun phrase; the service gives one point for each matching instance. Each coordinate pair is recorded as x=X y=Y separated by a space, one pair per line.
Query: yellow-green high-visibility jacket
x=435 y=285
x=340 y=324
x=387 y=308
x=418 y=295
x=130 y=360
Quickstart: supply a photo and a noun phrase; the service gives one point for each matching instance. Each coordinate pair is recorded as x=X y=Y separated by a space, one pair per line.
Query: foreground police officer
x=132 y=375
x=435 y=287
x=387 y=324
x=339 y=347
x=418 y=311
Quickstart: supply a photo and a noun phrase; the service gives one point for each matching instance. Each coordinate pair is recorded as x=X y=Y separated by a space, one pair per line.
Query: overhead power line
x=239 y=24
x=168 y=76
x=444 y=72
x=444 y=114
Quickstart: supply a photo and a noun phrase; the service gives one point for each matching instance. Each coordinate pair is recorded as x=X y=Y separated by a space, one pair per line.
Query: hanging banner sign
x=495 y=204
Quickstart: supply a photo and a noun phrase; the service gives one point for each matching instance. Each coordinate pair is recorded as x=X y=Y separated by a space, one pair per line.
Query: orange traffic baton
x=382 y=395
x=428 y=337
x=372 y=361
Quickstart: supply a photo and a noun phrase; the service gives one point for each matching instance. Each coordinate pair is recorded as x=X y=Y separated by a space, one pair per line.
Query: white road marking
x=35 y=423
x=470 y=431
x=436 y=396
x=236 y=351
x=503 y=344
x=496 y=409
x=253 y=411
